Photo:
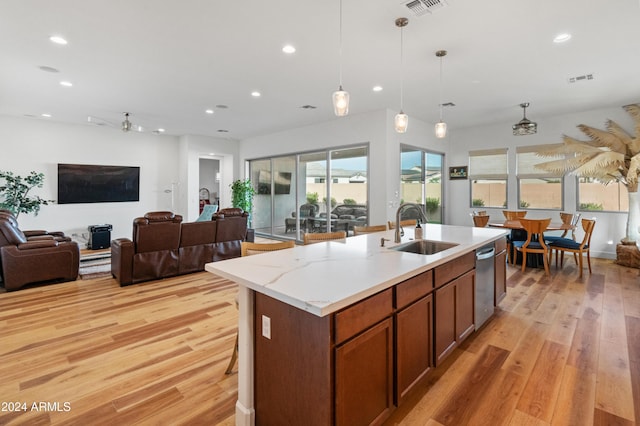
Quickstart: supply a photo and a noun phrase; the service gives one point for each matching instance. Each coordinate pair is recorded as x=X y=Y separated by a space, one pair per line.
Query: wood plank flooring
x=559 y=351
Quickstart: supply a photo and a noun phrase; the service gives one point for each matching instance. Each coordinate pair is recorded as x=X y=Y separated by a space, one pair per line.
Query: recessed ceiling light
x=288 y=49
x=161 y=130
x=45 y=115
x=222 y=106
x=561 y=38
x=377 y=88
x=212 y=153
x=58 y=40
x=255 y=94
x=66 y=83
x=209 y=111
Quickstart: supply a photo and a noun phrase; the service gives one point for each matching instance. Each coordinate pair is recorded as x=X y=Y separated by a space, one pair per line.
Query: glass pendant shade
x=341 y=102
x=401 y=122
x=441 y=129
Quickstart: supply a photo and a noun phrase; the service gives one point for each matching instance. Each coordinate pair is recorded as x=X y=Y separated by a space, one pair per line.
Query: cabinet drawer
x=413 y=289
x=363 y=315
x=445 y=273
x=501 y=245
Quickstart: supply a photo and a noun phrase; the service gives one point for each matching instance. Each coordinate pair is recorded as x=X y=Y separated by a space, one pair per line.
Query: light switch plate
x=266 y=326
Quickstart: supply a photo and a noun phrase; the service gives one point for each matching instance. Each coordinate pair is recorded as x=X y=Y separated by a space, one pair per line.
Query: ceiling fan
x=125 y=126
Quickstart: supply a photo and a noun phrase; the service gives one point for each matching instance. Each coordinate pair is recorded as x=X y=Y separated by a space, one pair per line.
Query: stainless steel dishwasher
x=485 y=284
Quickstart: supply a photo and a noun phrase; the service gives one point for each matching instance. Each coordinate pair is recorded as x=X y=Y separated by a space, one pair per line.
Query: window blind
x=526 y=160
x=488 y=164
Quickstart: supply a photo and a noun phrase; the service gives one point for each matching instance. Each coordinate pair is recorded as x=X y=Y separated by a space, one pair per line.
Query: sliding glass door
x=297 y=193
x=421 y=174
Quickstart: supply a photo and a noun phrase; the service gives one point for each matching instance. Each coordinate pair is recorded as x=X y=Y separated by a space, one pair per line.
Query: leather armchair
x=39 y=258
x=153 y=251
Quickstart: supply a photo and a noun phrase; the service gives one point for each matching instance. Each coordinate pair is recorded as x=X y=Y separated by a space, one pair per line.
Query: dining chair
x=480 y=220
x=406 y=222
x=247 y=249
x=317 y=237
x=513 y=215
x=516 y=234
x=359 y=230
x=577 y=248
x=535 y=241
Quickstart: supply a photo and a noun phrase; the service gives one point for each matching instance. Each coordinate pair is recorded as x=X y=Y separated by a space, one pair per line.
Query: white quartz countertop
x=325 y=277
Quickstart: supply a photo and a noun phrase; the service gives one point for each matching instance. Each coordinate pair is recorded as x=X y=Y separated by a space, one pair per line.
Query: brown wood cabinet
x=414 y=345
x=355 y=366
x=364 y=377
x=500 y=271
x=454 y=314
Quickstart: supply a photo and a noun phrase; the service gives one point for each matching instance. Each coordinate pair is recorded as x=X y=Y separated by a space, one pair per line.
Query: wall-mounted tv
x=282 y=182
x=86 y=183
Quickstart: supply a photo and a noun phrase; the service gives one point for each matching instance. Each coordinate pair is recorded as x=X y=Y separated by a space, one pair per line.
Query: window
x=488 y=174
x=537 y=188
x=593 y=195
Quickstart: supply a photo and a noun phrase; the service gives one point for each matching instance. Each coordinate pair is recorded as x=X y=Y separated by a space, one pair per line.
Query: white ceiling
x=166 y=61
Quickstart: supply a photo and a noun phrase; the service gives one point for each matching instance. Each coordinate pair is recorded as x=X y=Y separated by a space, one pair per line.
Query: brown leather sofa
x=163 y=246
x=35 y=256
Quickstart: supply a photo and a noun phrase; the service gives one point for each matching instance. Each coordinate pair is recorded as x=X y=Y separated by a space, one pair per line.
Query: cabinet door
x=501 y=277
x=445 y=321
x=414 y=351
x=364 y=377
x=465 y=305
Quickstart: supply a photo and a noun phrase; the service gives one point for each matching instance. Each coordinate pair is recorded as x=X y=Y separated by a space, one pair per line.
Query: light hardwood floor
x=560 y=350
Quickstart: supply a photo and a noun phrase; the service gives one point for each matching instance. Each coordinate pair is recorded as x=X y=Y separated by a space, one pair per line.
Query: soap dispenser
x=418 y=232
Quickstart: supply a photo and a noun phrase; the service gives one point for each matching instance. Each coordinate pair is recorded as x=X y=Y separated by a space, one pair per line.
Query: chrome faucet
x=414 y=206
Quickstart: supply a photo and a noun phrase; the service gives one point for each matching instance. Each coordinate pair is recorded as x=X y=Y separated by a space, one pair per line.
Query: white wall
x=169 y=170
x=376 y=128
x=32 y=144
x=610 y=227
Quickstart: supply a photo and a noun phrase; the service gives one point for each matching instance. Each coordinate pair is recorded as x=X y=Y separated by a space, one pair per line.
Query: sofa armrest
x=122 y=250
x=34 y=233
x=36 y=244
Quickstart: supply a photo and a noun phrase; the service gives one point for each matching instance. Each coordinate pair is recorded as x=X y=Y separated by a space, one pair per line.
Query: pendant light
x=441 y=126
x=402 y=120
x=525 y=126
x=341 y=97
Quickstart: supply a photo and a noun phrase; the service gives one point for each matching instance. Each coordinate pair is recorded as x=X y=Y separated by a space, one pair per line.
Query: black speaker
x=99 y=237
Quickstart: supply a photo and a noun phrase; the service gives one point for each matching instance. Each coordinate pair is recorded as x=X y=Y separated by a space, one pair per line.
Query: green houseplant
x=14 y=193
x=242 y=193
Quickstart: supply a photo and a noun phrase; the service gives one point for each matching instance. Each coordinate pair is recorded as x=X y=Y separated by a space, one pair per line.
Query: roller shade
x=488 y=164
x=526 y=159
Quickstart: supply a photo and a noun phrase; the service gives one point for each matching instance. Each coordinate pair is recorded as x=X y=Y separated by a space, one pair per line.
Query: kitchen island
x=339 y=332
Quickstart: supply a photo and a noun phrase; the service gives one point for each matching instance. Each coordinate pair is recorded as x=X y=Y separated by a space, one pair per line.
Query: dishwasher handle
x=485 y=253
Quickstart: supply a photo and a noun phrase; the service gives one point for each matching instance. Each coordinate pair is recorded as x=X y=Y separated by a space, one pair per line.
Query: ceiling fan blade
x=97 y=121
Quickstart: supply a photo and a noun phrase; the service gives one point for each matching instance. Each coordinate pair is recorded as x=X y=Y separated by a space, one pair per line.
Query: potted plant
x=242 y=193
x=14 y=193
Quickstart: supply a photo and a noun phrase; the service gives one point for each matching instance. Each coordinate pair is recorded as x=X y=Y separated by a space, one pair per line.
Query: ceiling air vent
x=422 y=7
x=580 y=78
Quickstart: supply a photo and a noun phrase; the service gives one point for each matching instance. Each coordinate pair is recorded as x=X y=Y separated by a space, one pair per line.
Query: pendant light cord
x=401 y=69
x=340 y=49
x=441 y=88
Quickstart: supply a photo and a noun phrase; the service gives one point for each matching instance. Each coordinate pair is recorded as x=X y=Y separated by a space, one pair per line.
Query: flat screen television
x=282 y=182
x=87 y=183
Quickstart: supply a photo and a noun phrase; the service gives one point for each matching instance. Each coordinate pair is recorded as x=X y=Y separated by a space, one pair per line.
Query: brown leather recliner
x=35 y=256
x=197 y=240
x=153 y=252
x=232 y=230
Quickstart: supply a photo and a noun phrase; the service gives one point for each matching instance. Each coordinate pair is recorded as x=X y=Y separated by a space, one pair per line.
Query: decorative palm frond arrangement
x=611 y=155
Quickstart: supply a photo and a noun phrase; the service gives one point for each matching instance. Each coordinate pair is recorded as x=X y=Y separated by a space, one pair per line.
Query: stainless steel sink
x=424 y=246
